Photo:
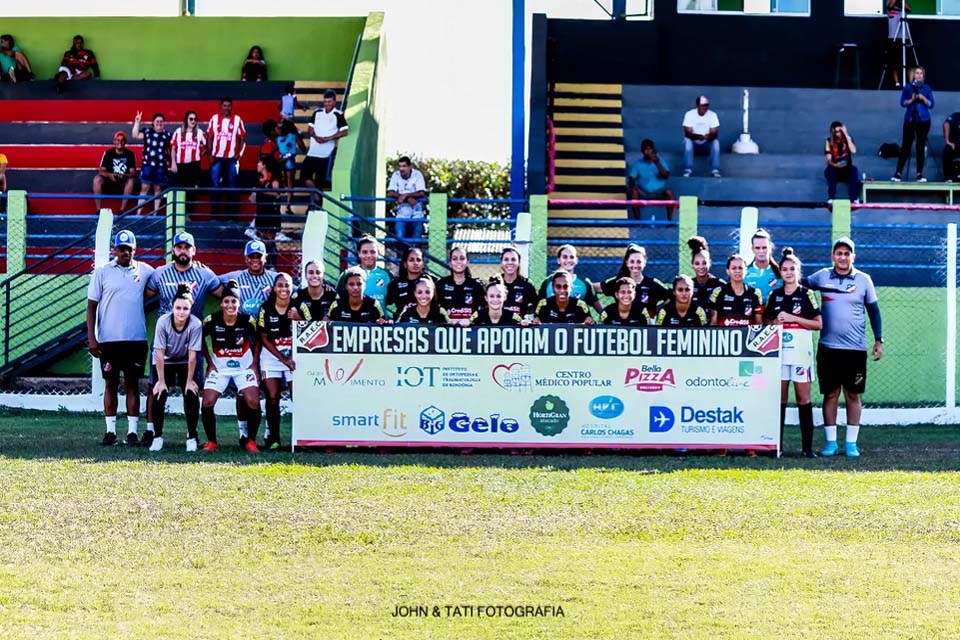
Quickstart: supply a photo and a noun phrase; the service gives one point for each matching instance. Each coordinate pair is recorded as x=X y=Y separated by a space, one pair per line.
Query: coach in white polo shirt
x=701 y=128
x=327 y=127
x=117 y=331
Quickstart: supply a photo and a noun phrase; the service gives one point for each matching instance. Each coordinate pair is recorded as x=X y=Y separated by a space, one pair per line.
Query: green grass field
x=123 y=543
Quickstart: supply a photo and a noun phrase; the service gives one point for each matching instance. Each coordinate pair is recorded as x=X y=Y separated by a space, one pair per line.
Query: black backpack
x=889 y=150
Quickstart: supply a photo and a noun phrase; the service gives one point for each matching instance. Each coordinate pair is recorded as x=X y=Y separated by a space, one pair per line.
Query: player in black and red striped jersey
x=460 y=294
x=704 y=282
x=623 y=312
x=795 y=308
x=682 y=311
x=232 y=354
x=561 y=307
x=493 y=313
x=651 y=293
x=426 y=309
x=736 y=304
x=353 y=306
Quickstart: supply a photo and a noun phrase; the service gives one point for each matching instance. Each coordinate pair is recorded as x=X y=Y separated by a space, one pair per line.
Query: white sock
x=242 y=426
x=853 y=430
x=111 y=424
x=132 y=422
x=830 y=432
x=150 y=427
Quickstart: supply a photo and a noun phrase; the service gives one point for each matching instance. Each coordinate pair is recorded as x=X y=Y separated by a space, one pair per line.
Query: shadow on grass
x=36 y=435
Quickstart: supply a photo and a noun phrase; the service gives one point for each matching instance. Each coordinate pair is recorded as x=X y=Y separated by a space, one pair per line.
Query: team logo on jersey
x=763 y=340
x=314 y=337
x=468 y=299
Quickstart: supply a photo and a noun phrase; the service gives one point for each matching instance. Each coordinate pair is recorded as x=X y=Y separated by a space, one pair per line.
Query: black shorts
x=315 y=170
x=838 y=368
x=127 y=356
x=175 y=375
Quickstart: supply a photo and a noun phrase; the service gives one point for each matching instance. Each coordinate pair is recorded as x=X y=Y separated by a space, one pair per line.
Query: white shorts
x=70 y=73
x=796 y=373
x=219 y=380
x=286 y=375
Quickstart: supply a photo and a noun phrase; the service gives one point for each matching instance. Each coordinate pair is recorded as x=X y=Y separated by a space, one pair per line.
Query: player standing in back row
x=846 y=293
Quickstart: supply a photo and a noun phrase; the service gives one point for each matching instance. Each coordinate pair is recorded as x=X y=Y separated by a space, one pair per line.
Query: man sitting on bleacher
x=78 y=63
x=701 y=128
x=117 y=172
x=839 y=151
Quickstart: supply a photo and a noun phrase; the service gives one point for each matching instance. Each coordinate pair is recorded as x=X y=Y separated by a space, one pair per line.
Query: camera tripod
x=904 y=40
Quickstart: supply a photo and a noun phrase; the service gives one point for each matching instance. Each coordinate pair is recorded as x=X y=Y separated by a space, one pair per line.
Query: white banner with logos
x=529 y=387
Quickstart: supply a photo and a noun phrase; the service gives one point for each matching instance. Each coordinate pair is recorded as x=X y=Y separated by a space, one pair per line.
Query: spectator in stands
x=289 y=104
x=189 y=144
x=117 y=331
x=254 y=67
x=328 y=126
x=14 y=65
x=268 y=148
x=647 y=179
x=839 y=150
x=893 y=53
x=701 y=128
x=848 y=295
x=266 y=224
x=407 y=187
x=951 y=159
x=117 y=172
x=917 y=98
x=227 y=138
x=78 y=63
x=289 y=144
x=157 y=160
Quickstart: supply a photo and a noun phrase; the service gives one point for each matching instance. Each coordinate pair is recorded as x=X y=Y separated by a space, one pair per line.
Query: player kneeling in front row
x=231 y=355
x=176 y=343
x=795 y=308
x=276 y=356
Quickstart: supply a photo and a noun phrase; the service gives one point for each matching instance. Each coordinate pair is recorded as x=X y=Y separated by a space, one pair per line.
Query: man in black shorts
x=328 y=126
x=842 y=352
x=117 y=173
x=117 y=331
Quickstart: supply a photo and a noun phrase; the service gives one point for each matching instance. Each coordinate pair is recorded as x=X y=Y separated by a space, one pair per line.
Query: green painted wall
x=190 y=48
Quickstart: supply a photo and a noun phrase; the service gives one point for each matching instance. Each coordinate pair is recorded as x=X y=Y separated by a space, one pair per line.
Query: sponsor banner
x=456 y=386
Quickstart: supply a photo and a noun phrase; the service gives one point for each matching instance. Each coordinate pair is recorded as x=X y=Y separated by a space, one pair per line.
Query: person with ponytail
x=763 y=274
x=736 y=304
x=275 y=326
x=623 y=312
x=231 y=354
x=795 y=308
x=460 y=294
x=704 y=282
x=521 y=294
x=493 y=313
x=651 y=293
x=682 y=311
x=176 y=344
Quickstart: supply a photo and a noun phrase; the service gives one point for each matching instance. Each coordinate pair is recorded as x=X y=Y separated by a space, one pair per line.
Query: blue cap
x=255 y=246
x=125 y=239
x=184 y=238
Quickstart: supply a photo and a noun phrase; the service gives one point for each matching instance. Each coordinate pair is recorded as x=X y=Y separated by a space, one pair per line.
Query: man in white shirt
x=327 y=127
x=408 y=187
x=701 y=128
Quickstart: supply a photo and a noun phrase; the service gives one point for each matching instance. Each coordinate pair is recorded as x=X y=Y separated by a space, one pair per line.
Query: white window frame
x=913 y=16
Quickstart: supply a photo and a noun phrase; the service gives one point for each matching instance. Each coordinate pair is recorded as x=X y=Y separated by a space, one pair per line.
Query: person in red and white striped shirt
x=226 y=139
x=188 y=144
